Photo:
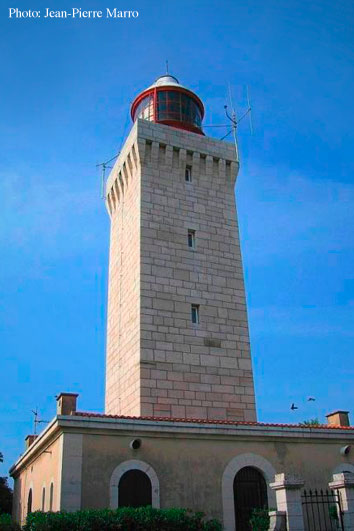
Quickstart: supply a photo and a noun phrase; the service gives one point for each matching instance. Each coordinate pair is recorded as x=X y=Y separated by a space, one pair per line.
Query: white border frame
x=234 y=466
x=133 y=464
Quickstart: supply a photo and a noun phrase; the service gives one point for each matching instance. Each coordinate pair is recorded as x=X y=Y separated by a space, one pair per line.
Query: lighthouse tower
x=177 y=331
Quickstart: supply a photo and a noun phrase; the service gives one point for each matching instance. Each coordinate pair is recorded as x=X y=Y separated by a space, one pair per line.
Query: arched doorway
x=250 y=492
x=134 y=489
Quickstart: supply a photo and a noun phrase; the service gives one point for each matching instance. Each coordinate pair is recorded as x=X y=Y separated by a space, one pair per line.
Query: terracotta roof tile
x=210 y=421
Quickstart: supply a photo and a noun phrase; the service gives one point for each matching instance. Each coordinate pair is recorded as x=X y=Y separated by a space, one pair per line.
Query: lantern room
x=168 y=102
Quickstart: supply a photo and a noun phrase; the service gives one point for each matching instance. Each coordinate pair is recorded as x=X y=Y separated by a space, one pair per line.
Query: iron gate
x=322 y=510
x=250 y=492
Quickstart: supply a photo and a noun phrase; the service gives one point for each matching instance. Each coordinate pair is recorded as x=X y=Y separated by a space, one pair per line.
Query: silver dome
x=167 y=81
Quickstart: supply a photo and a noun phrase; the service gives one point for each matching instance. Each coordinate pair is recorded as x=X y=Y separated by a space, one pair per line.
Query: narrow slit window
x=195 y=313
x=188 y=174
x=51 y=496
x=29 y=502
x=43 y=499
x=191 y=238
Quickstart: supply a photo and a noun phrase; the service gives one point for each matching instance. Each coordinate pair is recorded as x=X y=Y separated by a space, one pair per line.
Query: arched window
x=116 y=488
x=43 y=499
x=51 y=496
x=250 y=492
x=134 y=489
x=29 y=502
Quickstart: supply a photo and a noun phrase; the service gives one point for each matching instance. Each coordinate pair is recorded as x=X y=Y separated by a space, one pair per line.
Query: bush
x=123 y=519
x=333 y=513
x=260 y=520
x=7 y=524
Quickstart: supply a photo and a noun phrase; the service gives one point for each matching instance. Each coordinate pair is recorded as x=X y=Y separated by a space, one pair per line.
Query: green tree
x=311 y=422
x=5 y=496
x=5 y=493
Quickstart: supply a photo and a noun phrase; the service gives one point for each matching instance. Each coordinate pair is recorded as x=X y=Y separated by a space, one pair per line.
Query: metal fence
x=322 y=510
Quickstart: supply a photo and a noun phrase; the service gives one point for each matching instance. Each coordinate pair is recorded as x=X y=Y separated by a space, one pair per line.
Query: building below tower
x=223 y=468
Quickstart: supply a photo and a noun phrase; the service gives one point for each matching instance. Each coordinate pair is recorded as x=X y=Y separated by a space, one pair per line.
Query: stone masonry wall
x=186 y=370
x=123 y=321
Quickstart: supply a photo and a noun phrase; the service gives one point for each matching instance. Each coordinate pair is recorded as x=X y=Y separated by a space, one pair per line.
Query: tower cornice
x=152 y=134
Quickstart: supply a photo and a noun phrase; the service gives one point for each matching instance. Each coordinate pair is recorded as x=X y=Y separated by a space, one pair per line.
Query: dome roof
x=167 y=81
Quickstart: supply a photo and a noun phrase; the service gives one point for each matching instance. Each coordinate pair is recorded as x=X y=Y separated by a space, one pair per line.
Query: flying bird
x=311 y=399
x=293 y=406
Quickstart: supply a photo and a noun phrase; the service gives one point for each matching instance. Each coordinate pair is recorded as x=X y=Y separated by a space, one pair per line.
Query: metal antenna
x=166 y=66
x=37 y=421
x=104 y=165
x=249 y=110
x=234 y=123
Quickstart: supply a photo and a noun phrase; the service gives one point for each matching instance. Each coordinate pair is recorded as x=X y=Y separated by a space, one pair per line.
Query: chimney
x=29 y=440
x=338 y=418
x=66 y=403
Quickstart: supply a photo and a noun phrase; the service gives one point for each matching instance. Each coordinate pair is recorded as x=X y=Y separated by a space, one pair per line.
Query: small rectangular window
x=191 y=238
x=195 y=313
x=188 y=174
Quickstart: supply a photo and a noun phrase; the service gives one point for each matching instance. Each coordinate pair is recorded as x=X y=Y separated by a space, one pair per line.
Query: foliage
x=333 y=513
x=5 y=496
x=5 y=493
x=6 y=523
x=259 y=520
x=311 y=422
x=122 y=519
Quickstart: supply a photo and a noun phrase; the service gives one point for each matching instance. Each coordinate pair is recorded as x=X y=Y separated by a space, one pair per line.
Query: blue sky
x=66 y=88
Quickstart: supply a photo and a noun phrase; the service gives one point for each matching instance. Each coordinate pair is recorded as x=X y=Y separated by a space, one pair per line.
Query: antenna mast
x=249 y=110
x=104 y=165
x=37 y=421
x=234 y=121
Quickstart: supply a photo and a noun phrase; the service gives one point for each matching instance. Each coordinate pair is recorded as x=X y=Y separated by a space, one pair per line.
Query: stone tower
x=177 y=332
